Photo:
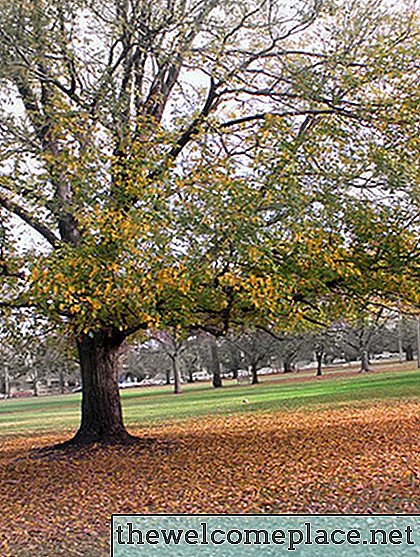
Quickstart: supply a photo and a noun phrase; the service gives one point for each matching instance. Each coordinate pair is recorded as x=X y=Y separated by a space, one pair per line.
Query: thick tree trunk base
x=89 y=438
x=101 y=420
x=87 y=445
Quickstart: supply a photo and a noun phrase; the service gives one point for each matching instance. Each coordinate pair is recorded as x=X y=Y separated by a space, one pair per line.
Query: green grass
x=153 y=405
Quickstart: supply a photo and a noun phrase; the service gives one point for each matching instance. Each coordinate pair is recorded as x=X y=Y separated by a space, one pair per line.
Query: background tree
x=32 y=352
x=215 y=362
x=174 y=346
x=146 y=359
x=190 y=358
x=231 y=354
x=361 y=335
x=408 y=337
x=323 y=344
x=256 y=348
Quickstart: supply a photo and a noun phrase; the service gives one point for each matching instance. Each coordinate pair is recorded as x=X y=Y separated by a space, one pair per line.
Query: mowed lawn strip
x=154 y=405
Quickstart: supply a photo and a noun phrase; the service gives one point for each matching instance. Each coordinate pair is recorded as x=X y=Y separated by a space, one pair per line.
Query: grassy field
x=153 y=405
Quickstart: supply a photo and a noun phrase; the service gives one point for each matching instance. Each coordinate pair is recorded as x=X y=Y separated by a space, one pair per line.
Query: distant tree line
x=40 y=361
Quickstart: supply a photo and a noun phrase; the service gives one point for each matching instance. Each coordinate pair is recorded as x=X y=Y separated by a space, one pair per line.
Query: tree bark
x=287 y=365
x=101 y=419
x=235 y=361
x=35 y=383
x=418 y=340
x=62 y=380
x=400 y=341
x=217 y=377
x=319 y=355
x=409 y=353
x=6 y=381
x=177 y=375
x=364 y=361
x=254 y=373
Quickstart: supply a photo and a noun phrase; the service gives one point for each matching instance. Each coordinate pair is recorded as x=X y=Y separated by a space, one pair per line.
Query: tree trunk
x=364 y=361
x=287 y=365
x=101 y=419
x=254 y=373
x=6 y=381
x=418 y=340
x=190 y=376
x=235 y=361
x=400 y=341
x=177 y=375
x=217 y=377
x=319 y=355
x=62 y=380
x=409 y=353
x=35 y=383
x=168 y=376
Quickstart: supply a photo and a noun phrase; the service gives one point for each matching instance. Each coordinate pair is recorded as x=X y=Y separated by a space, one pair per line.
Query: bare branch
x=29 y=219
x=264 y=115
x=193 y=128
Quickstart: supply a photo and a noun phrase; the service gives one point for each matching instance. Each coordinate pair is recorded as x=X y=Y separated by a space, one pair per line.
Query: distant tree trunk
x=6 y=381
x=168 y=376
x=254 y=373
x=319 y=354
x=217 y=377
x=418 y=340
x=364 y=361
x=400 y=341
x=190 y=376
x=287 y=365
x=409 y=353
x=235 y=362
x=61 y=379
x=101 y=419
x=177 y=375
x=35 y=383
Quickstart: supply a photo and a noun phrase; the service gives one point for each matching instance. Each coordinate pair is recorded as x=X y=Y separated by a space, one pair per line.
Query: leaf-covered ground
x=356 y=458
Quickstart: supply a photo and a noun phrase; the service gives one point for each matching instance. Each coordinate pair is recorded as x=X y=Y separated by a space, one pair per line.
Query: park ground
x=345 y=443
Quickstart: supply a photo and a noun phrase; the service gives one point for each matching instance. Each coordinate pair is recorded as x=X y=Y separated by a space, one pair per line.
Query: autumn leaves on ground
x=347 y=456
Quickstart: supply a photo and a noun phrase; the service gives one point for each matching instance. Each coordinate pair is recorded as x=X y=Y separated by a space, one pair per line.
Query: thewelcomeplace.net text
x=290 y=538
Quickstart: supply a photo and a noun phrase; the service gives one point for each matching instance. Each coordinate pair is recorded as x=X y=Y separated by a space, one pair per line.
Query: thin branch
x=264 y=115
x=29 y=219
x=16 y=304
x=193 y=128
x=134 y=329
x=5 y=272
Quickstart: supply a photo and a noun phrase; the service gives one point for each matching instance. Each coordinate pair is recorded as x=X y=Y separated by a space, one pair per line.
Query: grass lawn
x=156 y=404
x=339 y=444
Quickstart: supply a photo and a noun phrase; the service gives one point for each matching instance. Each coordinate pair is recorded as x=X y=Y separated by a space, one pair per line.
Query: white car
x=129 y=384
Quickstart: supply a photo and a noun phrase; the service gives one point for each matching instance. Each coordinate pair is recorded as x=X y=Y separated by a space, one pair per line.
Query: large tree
x=170 y=164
